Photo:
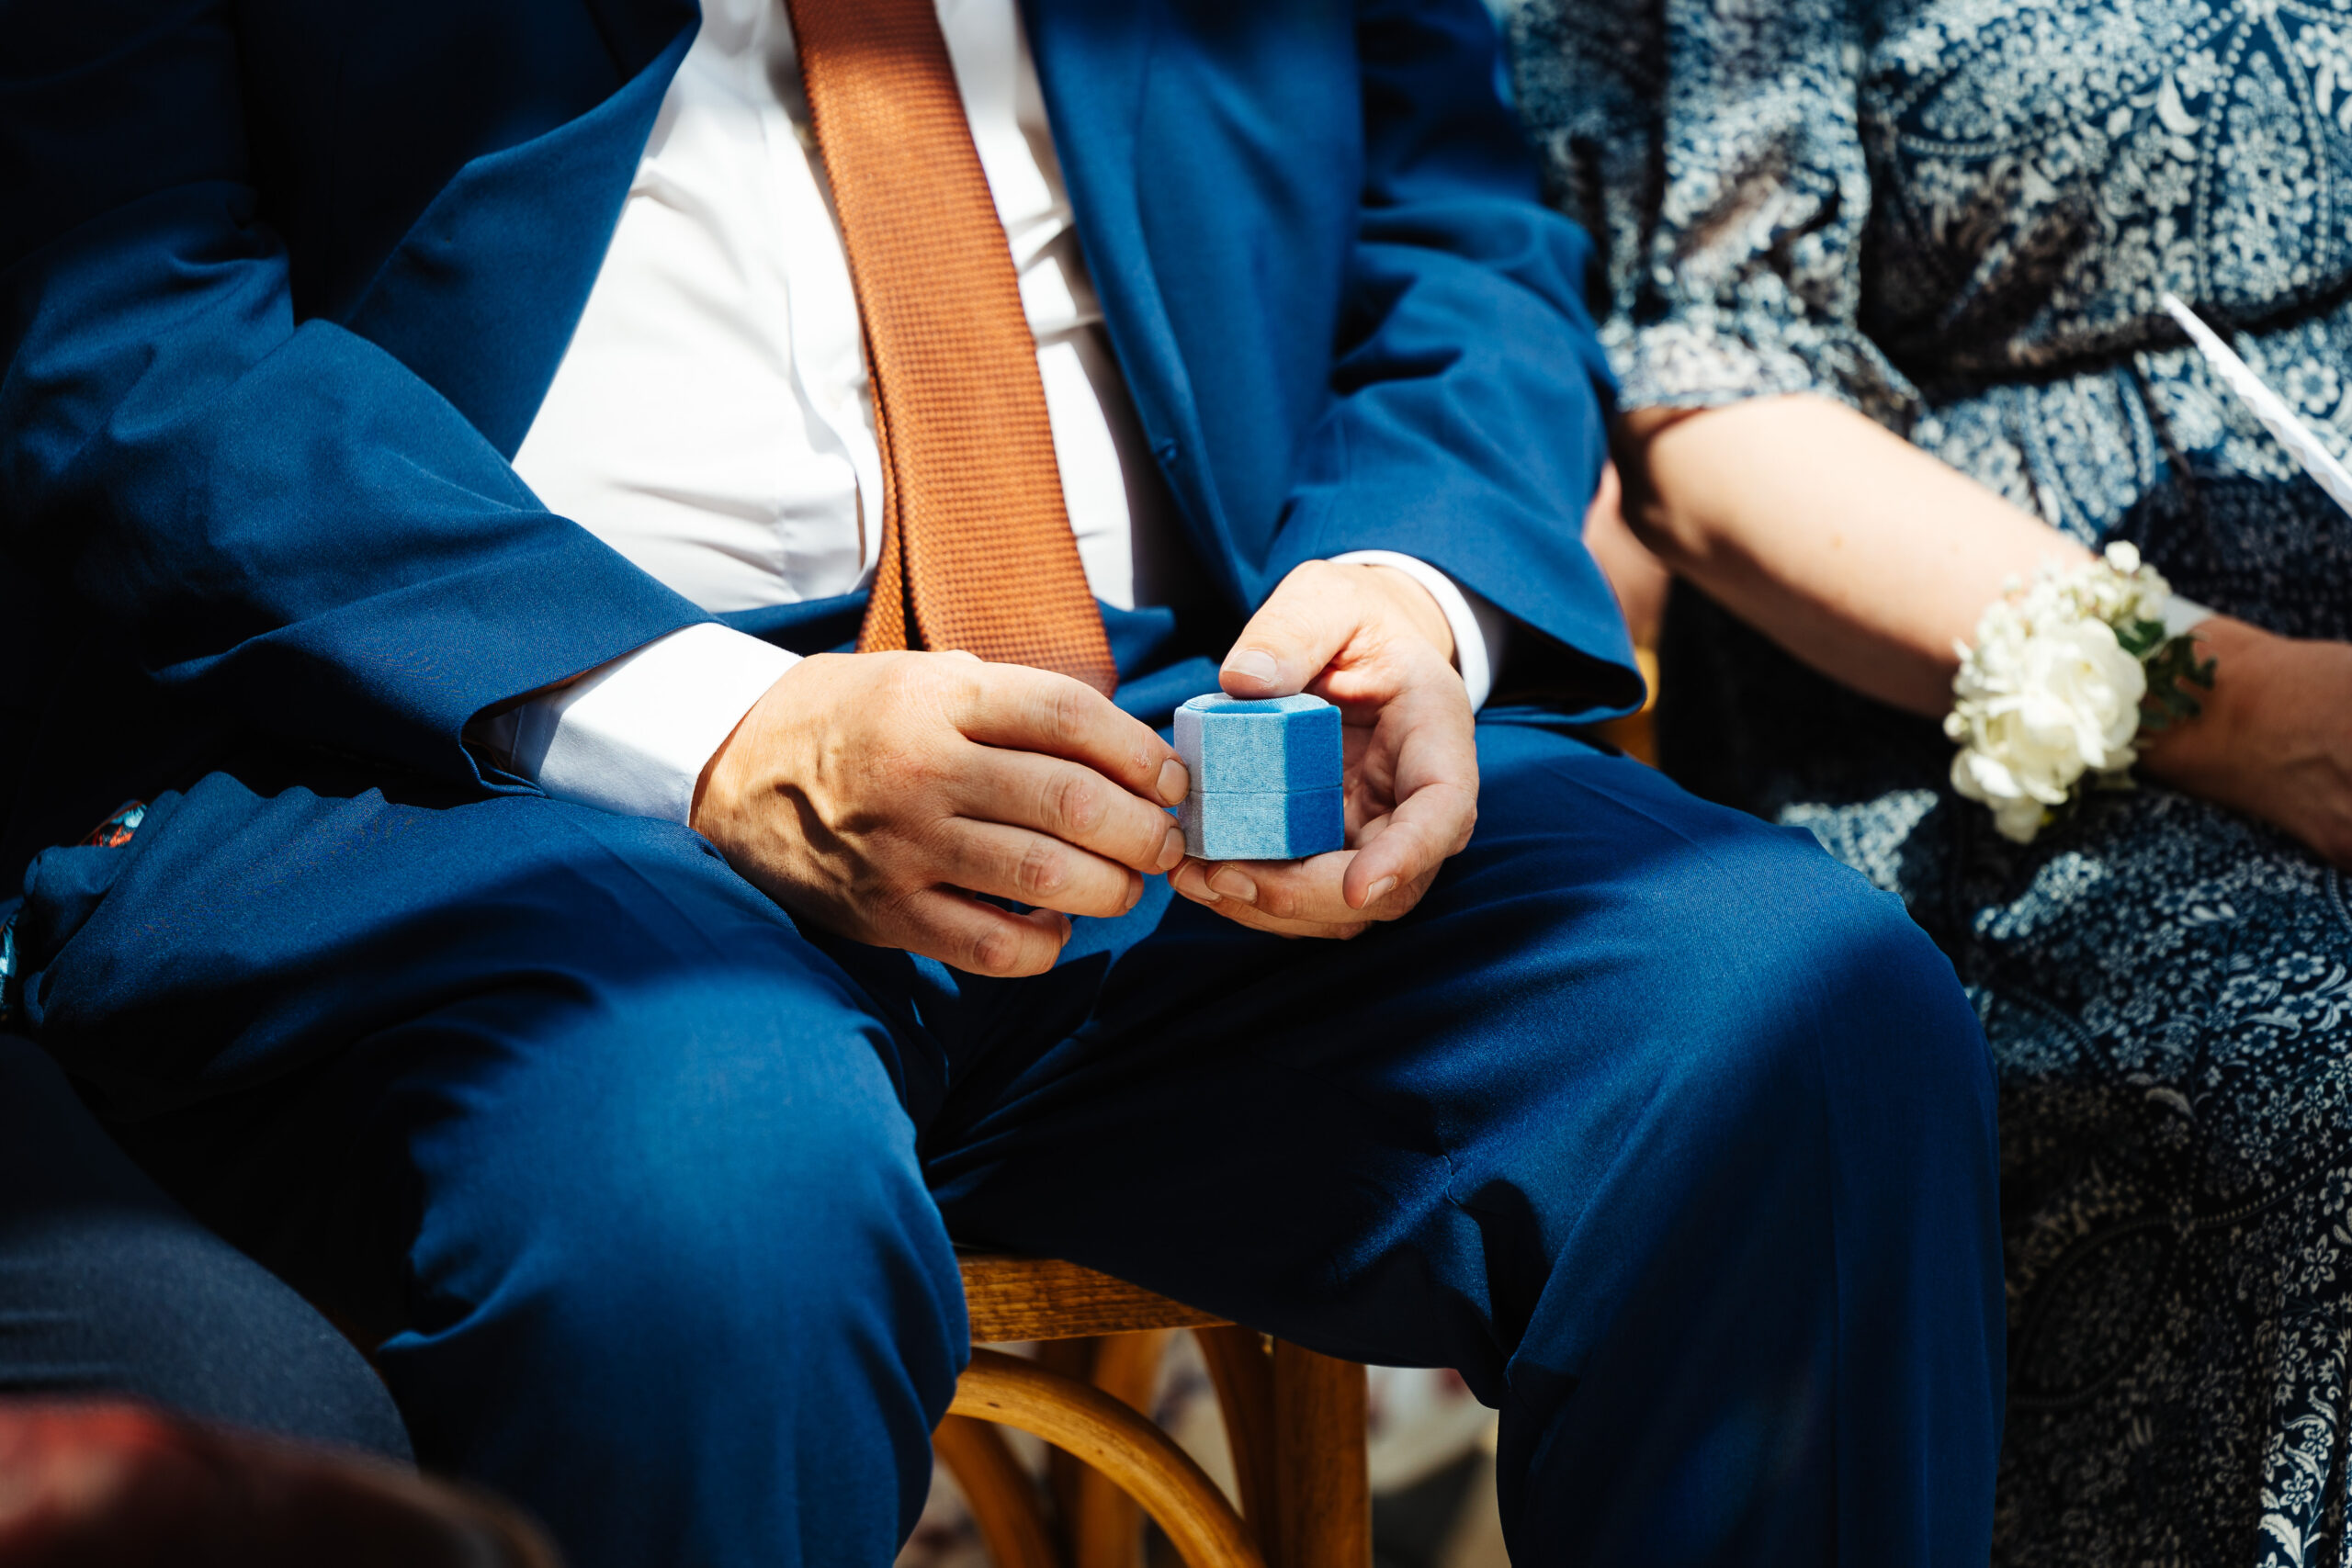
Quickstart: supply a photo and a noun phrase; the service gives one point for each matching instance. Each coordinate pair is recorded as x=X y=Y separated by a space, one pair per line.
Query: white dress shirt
x=712 y=417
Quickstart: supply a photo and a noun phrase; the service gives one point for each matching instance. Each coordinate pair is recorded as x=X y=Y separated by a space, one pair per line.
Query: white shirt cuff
x=1479 y=629
x=633 y=736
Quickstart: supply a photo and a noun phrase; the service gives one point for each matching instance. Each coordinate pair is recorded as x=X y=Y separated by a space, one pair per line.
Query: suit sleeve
x=1471 y=390
x=278 y=517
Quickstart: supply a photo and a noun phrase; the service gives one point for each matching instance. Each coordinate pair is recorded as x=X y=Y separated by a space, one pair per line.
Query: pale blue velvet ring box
x=1265 y=777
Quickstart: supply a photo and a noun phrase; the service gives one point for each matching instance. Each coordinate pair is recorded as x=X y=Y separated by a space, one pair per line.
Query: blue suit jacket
x=282 y=284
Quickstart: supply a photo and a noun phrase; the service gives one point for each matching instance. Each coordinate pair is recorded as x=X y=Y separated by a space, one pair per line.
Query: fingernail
x=1171 y=849
x=1379 y=889
x=1233 y=885
x=1173 y=782
x=1255 y=663
x=1194 y=883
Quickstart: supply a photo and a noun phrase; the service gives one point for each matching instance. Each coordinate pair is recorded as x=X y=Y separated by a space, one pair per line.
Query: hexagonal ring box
x=1265 y=777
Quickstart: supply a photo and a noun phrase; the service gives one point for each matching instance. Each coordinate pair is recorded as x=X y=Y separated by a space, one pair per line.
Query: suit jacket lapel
x=1094 y=62
x=507 y=252
x=480 y=297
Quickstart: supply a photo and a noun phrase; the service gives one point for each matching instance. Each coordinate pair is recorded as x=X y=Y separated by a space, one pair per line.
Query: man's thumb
x=1288 y=641
x=1251 y=671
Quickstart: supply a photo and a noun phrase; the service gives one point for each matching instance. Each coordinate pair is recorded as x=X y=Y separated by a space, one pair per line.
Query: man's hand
x=1371 y=641
x=874 y=793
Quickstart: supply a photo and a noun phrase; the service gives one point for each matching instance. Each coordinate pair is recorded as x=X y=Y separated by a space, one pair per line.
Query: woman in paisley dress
x=1884 y=280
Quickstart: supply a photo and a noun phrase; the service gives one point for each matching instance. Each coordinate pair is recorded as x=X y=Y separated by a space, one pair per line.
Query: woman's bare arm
x=1852 y=548
x=1867 y=559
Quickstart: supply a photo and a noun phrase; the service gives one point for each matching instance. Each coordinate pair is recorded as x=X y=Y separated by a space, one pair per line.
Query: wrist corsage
x=2066 y=673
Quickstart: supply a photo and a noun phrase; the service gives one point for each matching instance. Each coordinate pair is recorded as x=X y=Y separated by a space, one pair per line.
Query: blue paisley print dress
x=1957 y=216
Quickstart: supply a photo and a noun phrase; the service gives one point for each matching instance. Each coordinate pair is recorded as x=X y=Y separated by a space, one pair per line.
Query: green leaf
x=2174 y=662
x=2138 y=638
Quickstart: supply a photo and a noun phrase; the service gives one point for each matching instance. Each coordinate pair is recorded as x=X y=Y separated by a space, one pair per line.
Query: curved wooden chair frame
x=1295 y=1422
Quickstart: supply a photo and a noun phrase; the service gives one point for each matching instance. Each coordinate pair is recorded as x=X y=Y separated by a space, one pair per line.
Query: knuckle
x=1143 y=844
x=889 y=905
x=1315 y=574
x=905 y=680
x=1283 y=620
x=1072 y=802
x=1066 y=714
x=996 y=950
x=1043 y=873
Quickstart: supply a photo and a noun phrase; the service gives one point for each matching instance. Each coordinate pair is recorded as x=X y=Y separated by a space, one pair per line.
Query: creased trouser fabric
x=1668 y=1132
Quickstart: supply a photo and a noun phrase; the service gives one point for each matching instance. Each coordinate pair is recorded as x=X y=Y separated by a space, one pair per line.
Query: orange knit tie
x=976 y=549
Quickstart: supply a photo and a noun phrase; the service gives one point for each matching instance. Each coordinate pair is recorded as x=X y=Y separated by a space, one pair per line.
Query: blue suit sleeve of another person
x=1468 y=425
x=283 y=520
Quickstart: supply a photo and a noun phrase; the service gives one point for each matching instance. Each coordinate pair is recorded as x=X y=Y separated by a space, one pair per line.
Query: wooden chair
x=1294 y=1419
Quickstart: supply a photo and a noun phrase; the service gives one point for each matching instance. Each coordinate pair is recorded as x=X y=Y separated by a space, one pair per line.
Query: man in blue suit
x=432 y=433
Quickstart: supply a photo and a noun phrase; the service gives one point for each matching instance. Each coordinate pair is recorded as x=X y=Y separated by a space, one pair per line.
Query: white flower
x=2049 y=694
x=2080 y=699
x=1980 y=775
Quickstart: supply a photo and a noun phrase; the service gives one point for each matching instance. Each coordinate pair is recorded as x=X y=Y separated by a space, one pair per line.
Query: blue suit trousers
x=109 y=1290
x=1672 y=1135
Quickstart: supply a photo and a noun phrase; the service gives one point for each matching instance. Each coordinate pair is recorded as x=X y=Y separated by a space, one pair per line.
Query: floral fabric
x=1957 y=216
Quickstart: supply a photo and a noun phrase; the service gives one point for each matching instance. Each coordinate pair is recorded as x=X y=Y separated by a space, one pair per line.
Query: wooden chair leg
x=1242 y=1371
x=1112 y=1438
x=1105 y=1524
x=1004 y=1499
x=1323 y=1493
x=1064 y=1474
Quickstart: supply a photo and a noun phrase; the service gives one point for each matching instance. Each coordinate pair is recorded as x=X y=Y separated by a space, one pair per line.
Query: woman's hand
x=2275 y=739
